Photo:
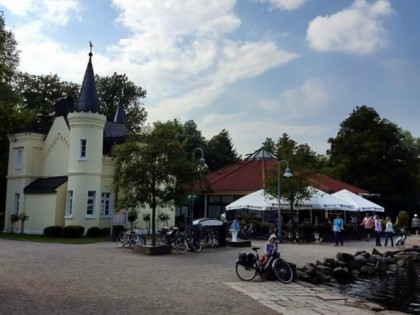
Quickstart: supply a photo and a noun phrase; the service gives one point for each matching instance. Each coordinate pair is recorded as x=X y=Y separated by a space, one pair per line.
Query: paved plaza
x=39 y=278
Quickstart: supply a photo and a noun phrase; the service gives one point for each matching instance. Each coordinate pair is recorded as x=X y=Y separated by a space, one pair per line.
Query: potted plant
x=13 y=219
x=23 y=217
x=132 y=217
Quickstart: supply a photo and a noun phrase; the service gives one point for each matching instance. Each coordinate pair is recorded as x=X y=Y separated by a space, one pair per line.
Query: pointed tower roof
x=88 y=98
x=119 y=116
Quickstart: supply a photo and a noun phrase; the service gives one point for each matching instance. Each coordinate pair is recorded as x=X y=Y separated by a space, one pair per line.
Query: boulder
x=341 y=273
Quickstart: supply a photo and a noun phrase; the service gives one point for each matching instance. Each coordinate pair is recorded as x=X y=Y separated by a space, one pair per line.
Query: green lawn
x=47 y=239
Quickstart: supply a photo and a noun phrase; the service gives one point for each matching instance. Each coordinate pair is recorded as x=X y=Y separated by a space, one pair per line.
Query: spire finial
x=90 y=44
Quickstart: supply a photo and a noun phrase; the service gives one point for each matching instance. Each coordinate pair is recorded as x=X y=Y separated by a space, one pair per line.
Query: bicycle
x=192 y=237
x=129 y=238
x=173 y=237
x=248 y=265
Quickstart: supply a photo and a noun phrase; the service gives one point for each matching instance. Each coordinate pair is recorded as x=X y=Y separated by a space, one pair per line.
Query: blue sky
x=257 y=68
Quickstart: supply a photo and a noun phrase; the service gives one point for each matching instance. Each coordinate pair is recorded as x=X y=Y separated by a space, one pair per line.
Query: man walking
x=338 y=226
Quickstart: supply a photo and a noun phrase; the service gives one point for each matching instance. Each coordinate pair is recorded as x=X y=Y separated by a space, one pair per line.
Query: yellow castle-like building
x=65 y=177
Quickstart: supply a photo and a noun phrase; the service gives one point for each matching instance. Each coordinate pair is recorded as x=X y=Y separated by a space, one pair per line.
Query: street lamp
x=203 y=164
x=287 y=173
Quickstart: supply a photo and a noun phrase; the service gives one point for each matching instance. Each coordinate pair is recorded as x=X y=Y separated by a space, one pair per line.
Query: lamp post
x=287 y=173
x=203 y=162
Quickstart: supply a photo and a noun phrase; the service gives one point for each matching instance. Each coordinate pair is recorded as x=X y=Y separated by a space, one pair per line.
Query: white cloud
x=60 y=11
x=303 y=101
x=355 y=30
x=17 y=7
x=236 y=61
x=285 y=5
x=46 y=11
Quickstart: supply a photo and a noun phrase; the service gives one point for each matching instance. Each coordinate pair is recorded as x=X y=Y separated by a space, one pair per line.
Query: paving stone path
x=39 y=278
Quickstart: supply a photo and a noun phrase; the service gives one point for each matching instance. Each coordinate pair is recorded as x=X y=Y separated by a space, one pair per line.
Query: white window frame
x=91 y=204
x=69 y=204
x=18 y=158
x=83 y=149
x=106 y=204
x=16 y=203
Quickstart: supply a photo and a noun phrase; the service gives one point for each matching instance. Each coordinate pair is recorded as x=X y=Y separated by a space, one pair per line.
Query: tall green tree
x=12 y=114
x=191 y=137
x=118 y=88
x=373 y=153
x=220 y=151
x=151 y=169
x=39 y=94
x=301 y=160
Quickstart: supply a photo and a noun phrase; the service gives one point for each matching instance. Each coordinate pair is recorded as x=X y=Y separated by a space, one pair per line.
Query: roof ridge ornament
x=91 y=46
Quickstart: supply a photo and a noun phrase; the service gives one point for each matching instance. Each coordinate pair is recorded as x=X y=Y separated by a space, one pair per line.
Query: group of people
x=370 y=225
x=374 y=225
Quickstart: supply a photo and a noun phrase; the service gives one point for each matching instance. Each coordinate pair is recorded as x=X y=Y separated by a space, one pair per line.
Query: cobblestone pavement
x=39 y=278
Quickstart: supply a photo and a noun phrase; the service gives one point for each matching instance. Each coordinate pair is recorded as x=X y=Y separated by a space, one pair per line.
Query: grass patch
x=47 y=239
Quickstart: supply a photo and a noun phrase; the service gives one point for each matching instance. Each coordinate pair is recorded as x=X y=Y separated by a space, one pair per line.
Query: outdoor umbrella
x=359 y=203
x=259 y=201
x=324 y=201
x=321 y=200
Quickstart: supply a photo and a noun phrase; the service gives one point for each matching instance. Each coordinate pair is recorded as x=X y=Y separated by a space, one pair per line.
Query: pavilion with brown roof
x=237 y=180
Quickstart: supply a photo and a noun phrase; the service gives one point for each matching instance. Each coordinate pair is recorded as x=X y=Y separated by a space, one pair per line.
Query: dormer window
x=83 y=149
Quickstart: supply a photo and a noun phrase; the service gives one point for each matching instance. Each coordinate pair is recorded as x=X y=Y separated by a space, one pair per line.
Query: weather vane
x=90 y=44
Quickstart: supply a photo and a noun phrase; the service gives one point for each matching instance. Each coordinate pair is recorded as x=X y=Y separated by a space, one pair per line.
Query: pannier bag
x=242 y=259
x=246 y=260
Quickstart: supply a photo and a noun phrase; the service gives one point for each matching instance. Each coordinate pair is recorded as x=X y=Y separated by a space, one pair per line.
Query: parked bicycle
x=129 y=238
x=173 y=237
x=249 y=264
x=246 y=231
x=193 y=238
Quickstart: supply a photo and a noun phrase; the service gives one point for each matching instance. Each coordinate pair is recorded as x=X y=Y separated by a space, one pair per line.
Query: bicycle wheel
x=181 y=245
x=120 y=241
x=133 y=240
x=197 y=245
x=246 y=273
x=141 y=240
x=283 y=270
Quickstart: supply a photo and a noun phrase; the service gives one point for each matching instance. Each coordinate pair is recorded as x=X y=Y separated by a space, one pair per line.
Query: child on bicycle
x=270 y=251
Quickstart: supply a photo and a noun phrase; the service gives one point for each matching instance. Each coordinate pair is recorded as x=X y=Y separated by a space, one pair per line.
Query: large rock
x=341 y=273
x=345 y=257
x=367 y=270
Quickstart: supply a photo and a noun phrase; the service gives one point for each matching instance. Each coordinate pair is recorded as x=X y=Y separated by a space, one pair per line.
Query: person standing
x=338 y=226
x=389 y=232
x=367 y=225
x=415 y=224
x=270 y=251
x=378 y=230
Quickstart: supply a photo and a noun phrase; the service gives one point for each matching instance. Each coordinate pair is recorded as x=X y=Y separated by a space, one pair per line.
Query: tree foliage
x=301 y=160
x=39 y=93
x=375 y=154
x=118 y=88
x=151 y=169
x=220 y=151
x=12 y=114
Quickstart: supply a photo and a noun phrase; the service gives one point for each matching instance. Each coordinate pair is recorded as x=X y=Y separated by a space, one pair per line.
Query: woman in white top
x=389 y=232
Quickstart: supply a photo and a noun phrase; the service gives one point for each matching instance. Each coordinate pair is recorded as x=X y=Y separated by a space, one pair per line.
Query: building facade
x=65 y=177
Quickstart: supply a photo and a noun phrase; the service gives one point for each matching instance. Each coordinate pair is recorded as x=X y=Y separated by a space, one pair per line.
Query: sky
x=257 y=68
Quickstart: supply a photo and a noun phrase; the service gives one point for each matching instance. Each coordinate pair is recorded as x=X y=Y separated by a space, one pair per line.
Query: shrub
x=105 y=231
x=53 y=231
x=73 y=231
x=117 y=229
x=94 y=231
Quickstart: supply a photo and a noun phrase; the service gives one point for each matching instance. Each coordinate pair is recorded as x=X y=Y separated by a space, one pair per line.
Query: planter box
x=240 y=243
x=153 y=250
